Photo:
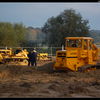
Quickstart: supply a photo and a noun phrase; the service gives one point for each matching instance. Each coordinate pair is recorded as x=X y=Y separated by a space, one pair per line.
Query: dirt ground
x=43 y=81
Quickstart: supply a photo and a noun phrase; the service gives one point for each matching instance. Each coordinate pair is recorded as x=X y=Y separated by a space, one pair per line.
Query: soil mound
x=48 y=68
x=20 y=70
x=4 y=73
x=25 y=84
x=77 y=89
x=16 y=71
x=12 y=71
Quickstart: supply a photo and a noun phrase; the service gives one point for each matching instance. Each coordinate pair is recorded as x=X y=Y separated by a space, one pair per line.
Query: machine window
x=90 y=44
x=85 y=44
x=74 y=43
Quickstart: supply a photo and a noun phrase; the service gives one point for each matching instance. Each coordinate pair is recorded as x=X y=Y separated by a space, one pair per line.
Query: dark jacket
x=30 y=56
x=34 y=56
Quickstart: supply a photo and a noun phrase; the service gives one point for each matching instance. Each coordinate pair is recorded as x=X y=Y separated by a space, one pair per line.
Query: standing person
x=30 y=58
x=34 y=49
x=34 y=58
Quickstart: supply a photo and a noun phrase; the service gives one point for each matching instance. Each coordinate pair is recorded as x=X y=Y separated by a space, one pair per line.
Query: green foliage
x=95 y=34
x=44 y=50
x=67 y=24
x=20 y=31
x=12 y=34
x=34 y=35
x=31 y=34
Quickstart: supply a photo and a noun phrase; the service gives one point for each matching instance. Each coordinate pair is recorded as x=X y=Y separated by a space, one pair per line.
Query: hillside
x=34 y=35
x=95 y=34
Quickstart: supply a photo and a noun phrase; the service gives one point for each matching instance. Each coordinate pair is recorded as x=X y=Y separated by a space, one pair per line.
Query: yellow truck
x=80 y=54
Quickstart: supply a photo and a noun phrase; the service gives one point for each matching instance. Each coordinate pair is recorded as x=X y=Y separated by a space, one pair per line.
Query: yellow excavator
x=80 y=54
x=7 y=56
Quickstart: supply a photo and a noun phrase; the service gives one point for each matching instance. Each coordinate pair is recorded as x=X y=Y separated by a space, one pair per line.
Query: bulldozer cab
x=81 y=43
x=18 y=50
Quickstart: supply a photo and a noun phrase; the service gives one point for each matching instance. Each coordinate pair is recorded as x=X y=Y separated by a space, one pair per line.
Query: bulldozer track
x=88 y=66
x=7 y=60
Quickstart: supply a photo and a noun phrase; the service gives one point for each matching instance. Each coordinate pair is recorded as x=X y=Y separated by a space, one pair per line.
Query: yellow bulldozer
x=7 y=56
x=43 y=56
x=80 y=54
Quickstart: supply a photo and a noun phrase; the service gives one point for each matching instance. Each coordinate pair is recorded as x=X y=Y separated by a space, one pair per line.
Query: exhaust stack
x=62 y=47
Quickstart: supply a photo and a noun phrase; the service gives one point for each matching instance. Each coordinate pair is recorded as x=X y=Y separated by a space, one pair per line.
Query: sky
x=36 y=14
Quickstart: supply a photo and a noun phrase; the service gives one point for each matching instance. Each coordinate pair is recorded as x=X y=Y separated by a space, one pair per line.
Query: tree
x=20 y=32
x=7 y=34
x=12 y=34
x=66 y=24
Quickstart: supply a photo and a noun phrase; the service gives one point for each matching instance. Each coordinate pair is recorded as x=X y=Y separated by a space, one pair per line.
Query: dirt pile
x=4 y=73
x=16 y=71
x=77 y=89
x=25 y=85
x=48 y=67
x=43 y=81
